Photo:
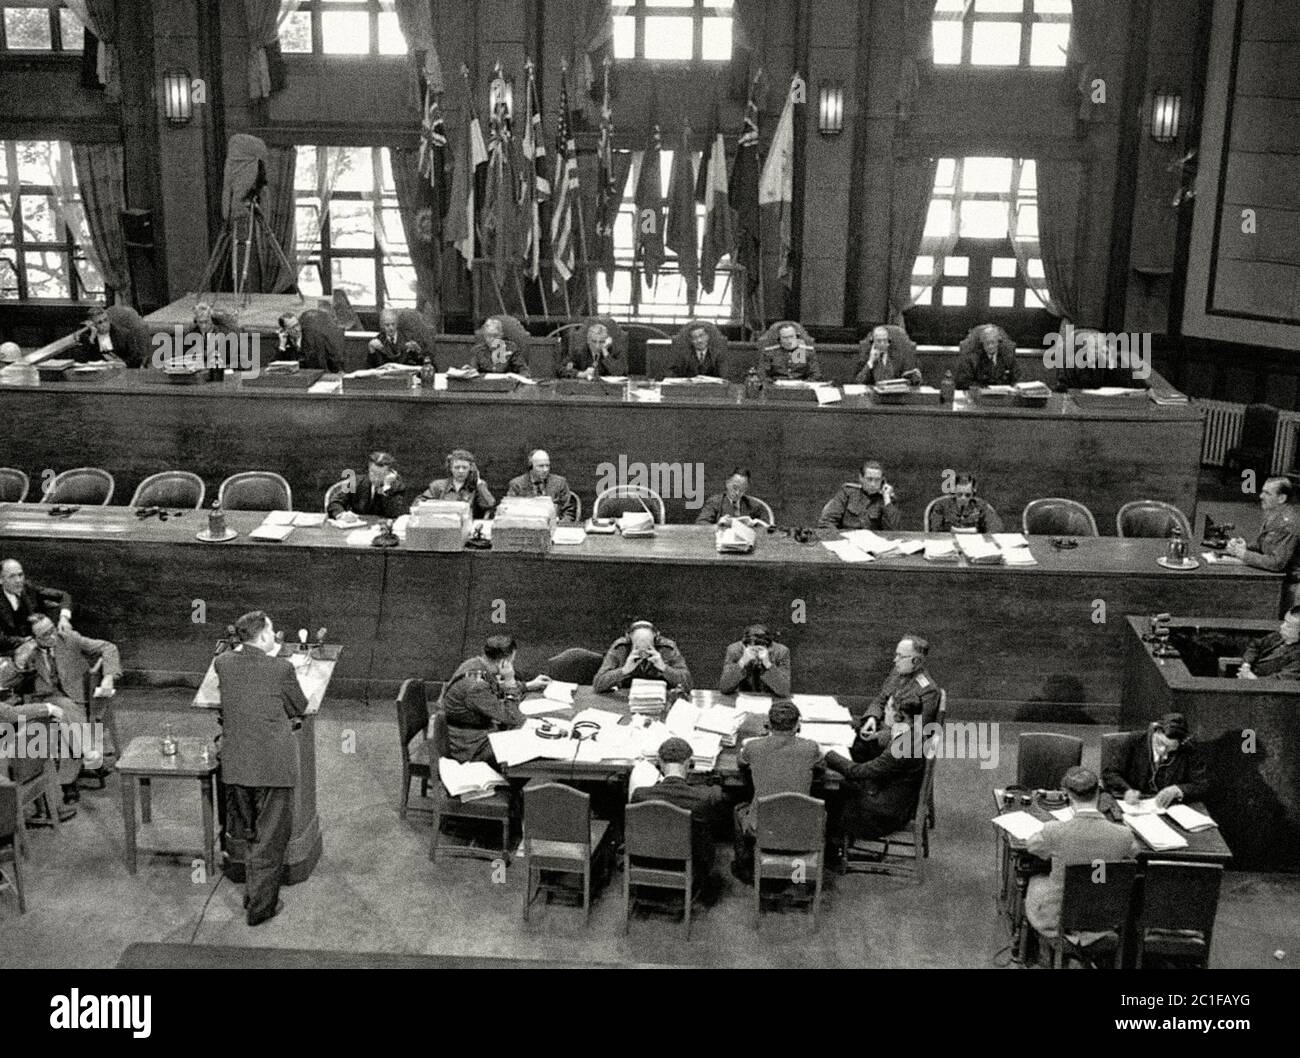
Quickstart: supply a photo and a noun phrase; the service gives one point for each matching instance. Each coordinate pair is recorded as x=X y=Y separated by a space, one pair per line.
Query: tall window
x=342 y=27
x=1001 y=32
x=39 y=25
x=630 y=299
x=682 y=30
x=348 y=229
x=42 y=226
x=980 y=249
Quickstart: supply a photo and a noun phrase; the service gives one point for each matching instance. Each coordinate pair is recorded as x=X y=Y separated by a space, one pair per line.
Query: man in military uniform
x=483 y=696
x=731 y=503
x=909 y=688
x=642 y=654
x=756 y=664
x=539 y=481
x=1275 y=656
x=791 y=357
x=865 y=504
x=1276 y=547
x=963 y=510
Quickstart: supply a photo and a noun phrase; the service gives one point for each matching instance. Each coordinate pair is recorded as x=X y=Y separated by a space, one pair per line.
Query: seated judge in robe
x=787 y=353
x=987 y=358
x=462 y=483
x=599 y=350
x=641 y=653
x=698 y=349
x=886 y=354
x=756 y=664
x=100 y=339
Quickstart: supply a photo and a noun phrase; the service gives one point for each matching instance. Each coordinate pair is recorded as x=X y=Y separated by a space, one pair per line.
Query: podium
x=305 y=842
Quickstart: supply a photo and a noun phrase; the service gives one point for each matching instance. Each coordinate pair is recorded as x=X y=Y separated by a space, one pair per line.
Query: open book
x=469 y=782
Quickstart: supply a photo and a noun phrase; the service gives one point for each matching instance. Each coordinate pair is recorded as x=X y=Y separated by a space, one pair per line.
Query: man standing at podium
x=261 y=703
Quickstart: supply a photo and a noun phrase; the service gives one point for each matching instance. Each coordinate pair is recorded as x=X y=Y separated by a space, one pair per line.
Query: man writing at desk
x=1158 y=763
x=1275 y=656
x=642 y=654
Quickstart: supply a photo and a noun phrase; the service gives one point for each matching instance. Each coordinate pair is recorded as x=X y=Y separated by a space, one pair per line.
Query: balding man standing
x=22 y=601
x=539 y=481
x=1277 y=548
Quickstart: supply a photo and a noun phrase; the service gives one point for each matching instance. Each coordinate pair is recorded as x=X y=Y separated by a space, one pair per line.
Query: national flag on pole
x=711 y=191
x=565 y=190
x=743 y=188
x=607 y=193
x=433 y=152
x=682 y=229
x=462 y=215
x=649 y=226
x=537 y=188
x=501 y=195
x=776 y=185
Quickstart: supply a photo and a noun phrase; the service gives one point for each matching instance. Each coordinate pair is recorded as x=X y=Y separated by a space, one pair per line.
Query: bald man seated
x=539 y=481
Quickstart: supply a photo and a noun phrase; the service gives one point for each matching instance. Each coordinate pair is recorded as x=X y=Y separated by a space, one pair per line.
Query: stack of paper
x=650 y=737
x=828 y=394
x=1015 y=549
x=1019 y=824
x=721 y=720
x=681 y=719
x=557 y=696
x=636 y=524
x=1156 y=832
x=846 y=551
x=978 y=551
x=735 y=538
x=909 y=547
x=569 y=534
x=893 y=385
x=838 y=737
x=1146 y=807
x=941 y=550
x=1190 y=819
x=820 y=709
x=277 y=526
x=1033 y=389
x=647 y=696
x=469 y=782
x=753 y=704
x=1167 y=397
x=871 y=543
x=524 y=744
x=705 y=748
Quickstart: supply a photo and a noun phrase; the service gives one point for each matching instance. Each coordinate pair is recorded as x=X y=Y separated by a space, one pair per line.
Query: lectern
x=304 y=851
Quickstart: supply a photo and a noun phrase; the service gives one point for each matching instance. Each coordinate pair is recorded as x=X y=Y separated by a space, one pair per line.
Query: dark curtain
x=100 y=179
x=918 y=54
x=281 y=163
x=1060 y=216
x=417 y=27
x=415 y=200
x=1088 y=26
x=910 y=202
x=100 y=17
x=747 y=26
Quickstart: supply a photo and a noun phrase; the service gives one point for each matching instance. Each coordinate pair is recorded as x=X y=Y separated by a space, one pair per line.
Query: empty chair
x=170 y=488
x=85 y=487
x=627 y=499
x=925 y=517
x=1151 y=518
x=1055 y=516
x=657 y=846
x=412 y=721
x=255 y=490
x=575 y=665
x=1112 y=746
x=10 y=829
x=1042 y=758
x=1179 y=904
x=1254 y=449
x=561 y=836
x=1094 y=912
x=789 y=843
x=36 y=783
x=494 y=810
x=13 y=485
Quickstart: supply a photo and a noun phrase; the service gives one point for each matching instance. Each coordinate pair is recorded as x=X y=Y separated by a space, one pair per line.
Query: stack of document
x=941 y=550
x=277 y=526
x=681 y=719
x=705 y=748
x=721 y=720
x=569 y=534
x=636 y=523
x=828 y=394
x=846 y=551
x=736 y=538
x=1033 y=389
x=978 y=551
x=1156 y=832
x=1015 y=549
x=838 y=737
x=1167 y=397
x=753 y=704
x=820 y=709
x=1190 y=819
x=893 y=385
x=647 y=696
x=649 y=735
x=469 y=782
x=871 y=543
x=1019 y=824
x=557 y=696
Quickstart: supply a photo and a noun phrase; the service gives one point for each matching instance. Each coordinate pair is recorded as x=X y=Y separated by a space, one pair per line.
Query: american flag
x=566 y=191
x=537 y=188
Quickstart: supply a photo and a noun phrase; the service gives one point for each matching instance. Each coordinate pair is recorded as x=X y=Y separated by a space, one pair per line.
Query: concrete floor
x=375 y=889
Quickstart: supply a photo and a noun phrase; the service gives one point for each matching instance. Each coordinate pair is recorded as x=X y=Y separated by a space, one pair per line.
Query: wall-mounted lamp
x=830 y=108
x=178 y=104
x=1166 y=109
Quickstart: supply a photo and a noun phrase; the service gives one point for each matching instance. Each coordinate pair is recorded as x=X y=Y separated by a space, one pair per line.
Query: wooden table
x=1244 y=729
x=1031 y=643
x=137 y=424
x=142 y=763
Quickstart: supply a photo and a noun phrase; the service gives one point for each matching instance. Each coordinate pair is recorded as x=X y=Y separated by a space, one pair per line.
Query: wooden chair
x=906 y=849
x=37 y=783
x=333 y=493
x=1042 y=758
x=494 y=809
x=1096 y=900
x=1179 y=904
x=575 y=665
x=170 y=488
x=657 y=830
x=1151 y=519
x=84 y=486
x=789 y=844
x=11 y=826
x=14 y=485
x=1254 y=449
x=1111 y=746
x=255 y=490
x=412 y=720
x=766 y=514
x=627 y=499
x=560 y=835
x=1057 y=516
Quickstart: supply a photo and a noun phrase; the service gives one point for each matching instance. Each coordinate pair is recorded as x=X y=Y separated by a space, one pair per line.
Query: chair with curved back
x=414 y=326
x=334 y=492
x=170 y=488
x=767 y=514
x=84 y=486
x=1057 y=516
x=1151 y=518
x=255 y=490
x=575 y=665
x=929 y=508
x=626 y=499
x=1043 y=758
x=14 y=484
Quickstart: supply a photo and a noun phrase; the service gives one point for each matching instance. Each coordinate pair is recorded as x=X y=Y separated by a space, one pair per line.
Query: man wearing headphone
x=462 y=483
x=756 y=664
x=642 y=654
x=483 y=696
x=909 y=689
x=963 y=510
x=539 y=481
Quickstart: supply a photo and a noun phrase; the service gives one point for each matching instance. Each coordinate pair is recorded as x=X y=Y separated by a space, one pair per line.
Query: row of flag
x=493 y=191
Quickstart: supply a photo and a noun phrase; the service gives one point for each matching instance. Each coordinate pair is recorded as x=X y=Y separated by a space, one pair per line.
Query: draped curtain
x=908 y=208
x=417 y=27
x=281 y=164
x=68 y=209
x=748 y=18
x=1088 y=27
x=420 y=225
x=1060 y=217
x=100 y=17
x=99 y=174
x=263 y=18
x=918 y=53
x=330 y=161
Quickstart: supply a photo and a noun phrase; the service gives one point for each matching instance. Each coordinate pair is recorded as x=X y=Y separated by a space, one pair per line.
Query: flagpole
x=535 y=209
x=587 y=286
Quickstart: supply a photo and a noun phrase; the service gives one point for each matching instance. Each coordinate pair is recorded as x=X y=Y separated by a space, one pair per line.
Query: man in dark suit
x=988 y=358
x=756 y=664
x=309 y=340
x=539 y=481
x=381 y=493
x=702 y=801
x=388 y=346
x=261 y=703
x=1159 y=763
x=888 y=354
x=1275 y=656
x=20 y=601
x=101 y=339
x=732 y=503
x=696 y=356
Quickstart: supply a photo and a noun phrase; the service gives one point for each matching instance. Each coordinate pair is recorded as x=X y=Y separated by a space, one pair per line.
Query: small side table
x=142 y=762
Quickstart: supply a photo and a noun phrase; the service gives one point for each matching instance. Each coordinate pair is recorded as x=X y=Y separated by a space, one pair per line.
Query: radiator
x=1288 y=425
x=1223 y=422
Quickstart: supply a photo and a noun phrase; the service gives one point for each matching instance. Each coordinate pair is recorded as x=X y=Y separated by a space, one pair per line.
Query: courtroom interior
x=726 y=483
